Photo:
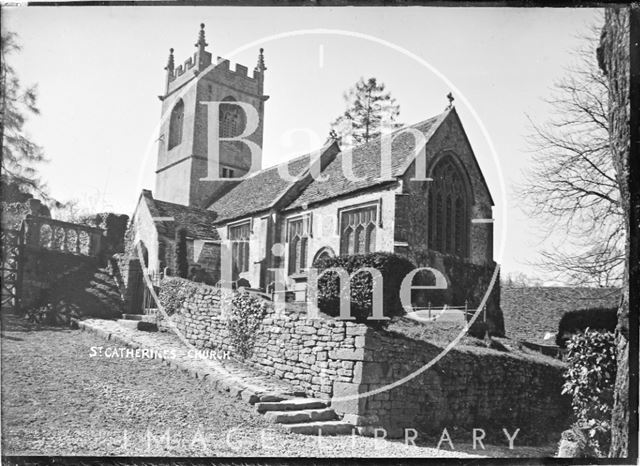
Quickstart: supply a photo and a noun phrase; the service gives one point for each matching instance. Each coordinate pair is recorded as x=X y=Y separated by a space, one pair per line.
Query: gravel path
x=57 y=400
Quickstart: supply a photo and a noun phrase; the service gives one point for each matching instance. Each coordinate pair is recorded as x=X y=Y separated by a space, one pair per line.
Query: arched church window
x=439 y=222
x=359 y=240
x=370 y=240
x=176 y=122
x=358 y=230
x=459 y=221
x=347 y=240
x=448 y=230
x=449 y=209
x=231 y=119
x=298 y=236
x=322 y=254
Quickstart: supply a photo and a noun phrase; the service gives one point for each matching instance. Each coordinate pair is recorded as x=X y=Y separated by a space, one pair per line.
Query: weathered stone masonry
x=312 y=354
x=468 y=387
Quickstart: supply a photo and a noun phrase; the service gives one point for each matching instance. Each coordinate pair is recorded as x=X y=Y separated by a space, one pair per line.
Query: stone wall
x=312 y=354
x=469 y=387
x=55 y=251
x=69 y=285
x=43 y=269
x=160 y=253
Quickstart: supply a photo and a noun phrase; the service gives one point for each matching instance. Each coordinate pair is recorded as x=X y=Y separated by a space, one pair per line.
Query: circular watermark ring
x=485 y=133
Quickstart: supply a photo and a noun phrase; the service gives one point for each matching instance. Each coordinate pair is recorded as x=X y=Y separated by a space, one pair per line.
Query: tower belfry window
x=227 y=172
x=231 y=119
x=176 y=122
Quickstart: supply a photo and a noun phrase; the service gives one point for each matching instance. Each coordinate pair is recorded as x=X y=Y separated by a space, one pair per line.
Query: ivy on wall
x=393 y=269
x=173 y=293
x=243 y=320
x=589 y=380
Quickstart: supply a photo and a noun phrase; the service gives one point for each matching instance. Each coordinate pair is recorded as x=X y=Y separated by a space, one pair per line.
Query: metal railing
x=435 y=312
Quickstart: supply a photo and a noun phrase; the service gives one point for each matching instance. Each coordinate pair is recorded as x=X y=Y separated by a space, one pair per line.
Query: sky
x=99 y=72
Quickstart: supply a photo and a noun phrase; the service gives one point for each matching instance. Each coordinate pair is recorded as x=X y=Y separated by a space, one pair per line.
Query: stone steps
x=273 y=397
x=305 y=416
x=295 y=404
x=279 y=403
x=321 y=428
x=138 y=325
x=139 y=317
x=297 y=417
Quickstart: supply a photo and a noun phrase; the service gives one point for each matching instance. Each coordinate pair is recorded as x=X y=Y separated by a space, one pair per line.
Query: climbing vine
x=173 y=293
x=589 y=380
x=243 y=320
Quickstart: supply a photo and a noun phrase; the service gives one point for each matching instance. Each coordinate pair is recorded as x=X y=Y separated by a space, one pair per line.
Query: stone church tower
x=182 y=166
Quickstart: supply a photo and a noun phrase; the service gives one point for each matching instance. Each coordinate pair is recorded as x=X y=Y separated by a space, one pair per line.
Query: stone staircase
x=143 y=322
x=85 y=290
x=307 y=416
x=281 y=405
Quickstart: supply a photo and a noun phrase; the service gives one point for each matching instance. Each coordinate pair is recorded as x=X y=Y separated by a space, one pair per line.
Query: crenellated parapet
x=239 y=71
x=189 y=64
x=201 y=59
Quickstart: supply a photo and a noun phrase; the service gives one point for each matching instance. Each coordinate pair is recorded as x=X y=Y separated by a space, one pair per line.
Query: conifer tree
x=370 y=109
x=20 y=155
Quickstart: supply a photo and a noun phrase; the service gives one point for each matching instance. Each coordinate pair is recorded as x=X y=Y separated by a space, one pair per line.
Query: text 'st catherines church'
x=441 y=218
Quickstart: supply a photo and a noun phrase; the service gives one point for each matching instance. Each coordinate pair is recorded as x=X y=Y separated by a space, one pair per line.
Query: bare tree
x=520 y=280
x=572 y=186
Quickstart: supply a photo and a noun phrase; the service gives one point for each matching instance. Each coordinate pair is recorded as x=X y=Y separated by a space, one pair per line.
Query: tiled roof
x=530 y=312
x=259 y=191
x=366 y=165
x=197 y=222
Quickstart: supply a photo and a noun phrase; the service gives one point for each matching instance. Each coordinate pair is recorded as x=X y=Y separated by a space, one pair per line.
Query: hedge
x=572 y=322
x=394 y=269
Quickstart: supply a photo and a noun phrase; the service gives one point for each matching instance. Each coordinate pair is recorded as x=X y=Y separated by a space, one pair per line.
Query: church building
x=429 y=202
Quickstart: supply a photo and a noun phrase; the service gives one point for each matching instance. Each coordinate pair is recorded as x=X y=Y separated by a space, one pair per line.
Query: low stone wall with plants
x=470 y=387
x=312 y=354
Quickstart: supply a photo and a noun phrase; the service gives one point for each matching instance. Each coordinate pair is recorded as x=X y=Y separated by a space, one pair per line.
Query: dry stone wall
x=469 y=387
x=313 y=354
